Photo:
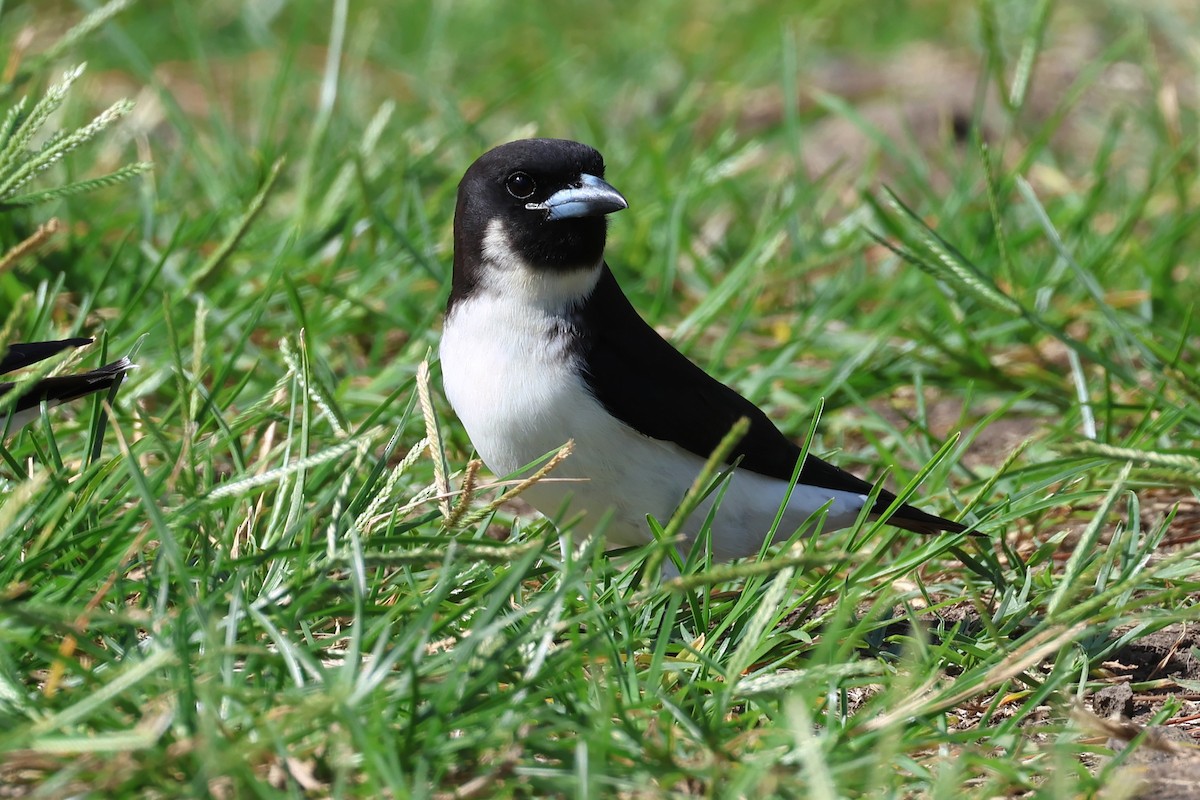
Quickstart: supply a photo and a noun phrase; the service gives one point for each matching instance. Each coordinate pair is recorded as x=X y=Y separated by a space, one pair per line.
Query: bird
x=540 y=346
x=54 y=390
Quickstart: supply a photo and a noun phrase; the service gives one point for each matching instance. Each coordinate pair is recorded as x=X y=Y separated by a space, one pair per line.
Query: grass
x=256 y=587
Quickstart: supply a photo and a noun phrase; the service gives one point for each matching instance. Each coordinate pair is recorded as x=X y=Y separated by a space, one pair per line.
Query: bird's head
x=533 y=204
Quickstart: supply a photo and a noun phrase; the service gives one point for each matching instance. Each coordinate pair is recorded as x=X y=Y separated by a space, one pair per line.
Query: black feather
x=59 y=388
x=24 y=354
x=64 y=388
x=641 y=379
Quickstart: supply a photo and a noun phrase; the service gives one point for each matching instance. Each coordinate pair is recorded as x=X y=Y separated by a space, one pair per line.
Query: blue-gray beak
x=593 y=197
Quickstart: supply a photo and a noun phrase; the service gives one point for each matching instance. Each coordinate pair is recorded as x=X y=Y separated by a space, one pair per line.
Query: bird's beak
x=593 y=197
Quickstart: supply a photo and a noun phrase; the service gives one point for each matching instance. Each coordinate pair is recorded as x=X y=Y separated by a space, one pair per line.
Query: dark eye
x=520 y=185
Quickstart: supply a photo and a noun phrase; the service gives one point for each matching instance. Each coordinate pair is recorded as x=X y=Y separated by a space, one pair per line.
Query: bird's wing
x=645 y=382
x=23 y=354
x=64 y=388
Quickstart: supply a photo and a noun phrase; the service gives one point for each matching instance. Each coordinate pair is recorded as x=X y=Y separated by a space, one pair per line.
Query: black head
x=547 y=199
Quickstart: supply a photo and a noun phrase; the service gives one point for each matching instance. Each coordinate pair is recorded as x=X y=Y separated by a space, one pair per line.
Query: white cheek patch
x=511 y=277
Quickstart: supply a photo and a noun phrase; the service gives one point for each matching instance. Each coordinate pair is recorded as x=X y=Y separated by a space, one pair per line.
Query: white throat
x=512 y=279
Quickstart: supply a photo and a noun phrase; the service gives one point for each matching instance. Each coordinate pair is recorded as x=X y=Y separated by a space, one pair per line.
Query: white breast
x=508 y=372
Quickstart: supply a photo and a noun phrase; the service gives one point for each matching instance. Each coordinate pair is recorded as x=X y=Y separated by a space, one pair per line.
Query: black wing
x=652 y=387
x=64 y=388
x=22 y=355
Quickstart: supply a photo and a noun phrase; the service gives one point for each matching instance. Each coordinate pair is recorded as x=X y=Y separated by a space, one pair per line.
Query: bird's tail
x=914 y=519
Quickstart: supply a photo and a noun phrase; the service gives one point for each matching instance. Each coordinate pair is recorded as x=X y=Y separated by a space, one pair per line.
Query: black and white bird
x=540 y=345
x=54 y=390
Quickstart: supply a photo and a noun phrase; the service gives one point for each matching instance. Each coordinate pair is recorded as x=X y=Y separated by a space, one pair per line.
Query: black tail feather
x=24 y=354
x=56 y=389
x=914 y=519
x=64 y=388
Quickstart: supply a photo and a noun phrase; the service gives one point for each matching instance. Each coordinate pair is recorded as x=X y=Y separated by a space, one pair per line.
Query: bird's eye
x=520 y=185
